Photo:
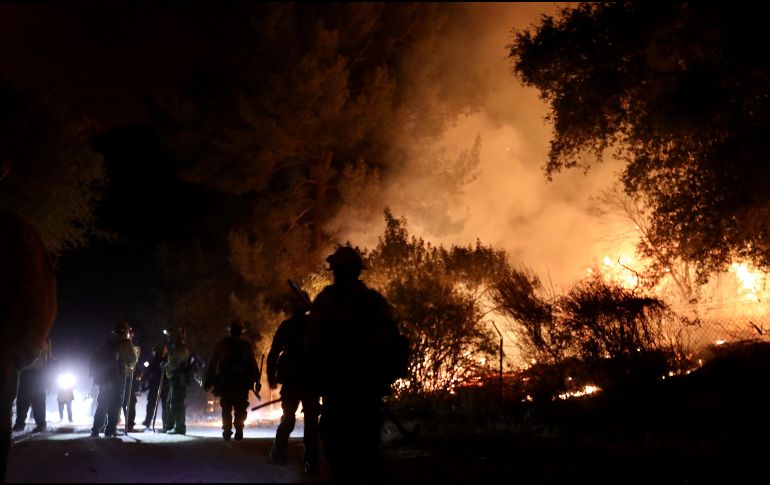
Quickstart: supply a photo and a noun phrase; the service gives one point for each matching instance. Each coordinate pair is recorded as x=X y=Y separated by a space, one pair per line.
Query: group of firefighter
x=326 y=351
x=118 y=380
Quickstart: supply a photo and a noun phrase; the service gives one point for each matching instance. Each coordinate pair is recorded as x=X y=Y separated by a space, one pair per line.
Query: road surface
x=68 y=454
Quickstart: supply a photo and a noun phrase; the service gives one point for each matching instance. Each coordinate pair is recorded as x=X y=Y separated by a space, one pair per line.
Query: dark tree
x=680 y=92
x=301 y=109
x=521 y=297
x=593 y=320
x=55 y=176
x=597 y=333
x=663 y=261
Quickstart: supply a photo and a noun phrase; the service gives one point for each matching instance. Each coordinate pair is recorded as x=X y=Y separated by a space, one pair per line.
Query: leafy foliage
x=664 y=263
x=445 y=329
x=596 y=334
x=302 y=109
x=680 y=92
x=605 y=320
x=520 y=295
x=55 y=178
x=593 y=320
x=197 y=280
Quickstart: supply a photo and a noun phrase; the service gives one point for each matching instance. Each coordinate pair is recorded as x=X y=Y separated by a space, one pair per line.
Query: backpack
x=364 y=331
x=289 y=368
x=104 y=365
x=397 y=359
x=238 y=362
x=291 y=365
x=393 y=352
x=195 y=369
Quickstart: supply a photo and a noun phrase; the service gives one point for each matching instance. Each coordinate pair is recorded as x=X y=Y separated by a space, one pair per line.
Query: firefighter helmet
x=236 y=328
x=295 y=303
x=122 y=329
x=345 y=258
x=176 y=334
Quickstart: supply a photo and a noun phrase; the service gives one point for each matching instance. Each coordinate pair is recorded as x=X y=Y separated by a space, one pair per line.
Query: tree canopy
x=55 y=177
x=301 y=111
x=680 y=92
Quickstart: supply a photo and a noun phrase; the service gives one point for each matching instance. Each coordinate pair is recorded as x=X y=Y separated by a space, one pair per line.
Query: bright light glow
x=589 y=389
x=720 y=342
x=616 y=271
x=749 y=278
x=66 y=380
x=146 y=364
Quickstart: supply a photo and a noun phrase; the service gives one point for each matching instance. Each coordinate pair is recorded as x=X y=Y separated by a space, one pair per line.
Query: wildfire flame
x=618 y=271
x=588 y=389
x=750 y=279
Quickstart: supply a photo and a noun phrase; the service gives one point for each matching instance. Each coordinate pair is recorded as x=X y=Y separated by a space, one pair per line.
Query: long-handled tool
x=127 y=401
x=160 y=389
x=264 y=404
x=407 y=435
x=258 y=383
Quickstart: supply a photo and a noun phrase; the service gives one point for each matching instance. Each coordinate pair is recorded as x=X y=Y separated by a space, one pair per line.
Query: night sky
x=103 y=59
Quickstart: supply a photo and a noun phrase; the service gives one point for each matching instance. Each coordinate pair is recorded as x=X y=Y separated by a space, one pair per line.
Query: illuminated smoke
x=546 y=226
x=510 y=205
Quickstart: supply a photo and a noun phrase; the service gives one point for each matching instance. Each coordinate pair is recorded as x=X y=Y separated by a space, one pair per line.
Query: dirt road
x=71 y=455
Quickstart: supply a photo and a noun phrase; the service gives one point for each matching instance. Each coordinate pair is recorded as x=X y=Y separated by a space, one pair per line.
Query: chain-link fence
x=705 y=327
x=722 y=323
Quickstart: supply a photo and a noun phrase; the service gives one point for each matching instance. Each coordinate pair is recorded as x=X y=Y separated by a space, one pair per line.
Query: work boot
x=227 y=434
x=94 y=434
x=19 y=427
x=38 y=429
x=238 y=434
x=176 y=431
x=275 y=457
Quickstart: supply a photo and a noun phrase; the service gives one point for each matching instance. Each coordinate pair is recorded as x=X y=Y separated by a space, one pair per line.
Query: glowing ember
x=589 y=389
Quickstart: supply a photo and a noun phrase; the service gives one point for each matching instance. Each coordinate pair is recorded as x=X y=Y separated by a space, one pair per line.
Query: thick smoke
x=510 y=204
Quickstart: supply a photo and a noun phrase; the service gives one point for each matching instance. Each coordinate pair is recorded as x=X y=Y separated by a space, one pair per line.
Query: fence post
x=501 y=359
